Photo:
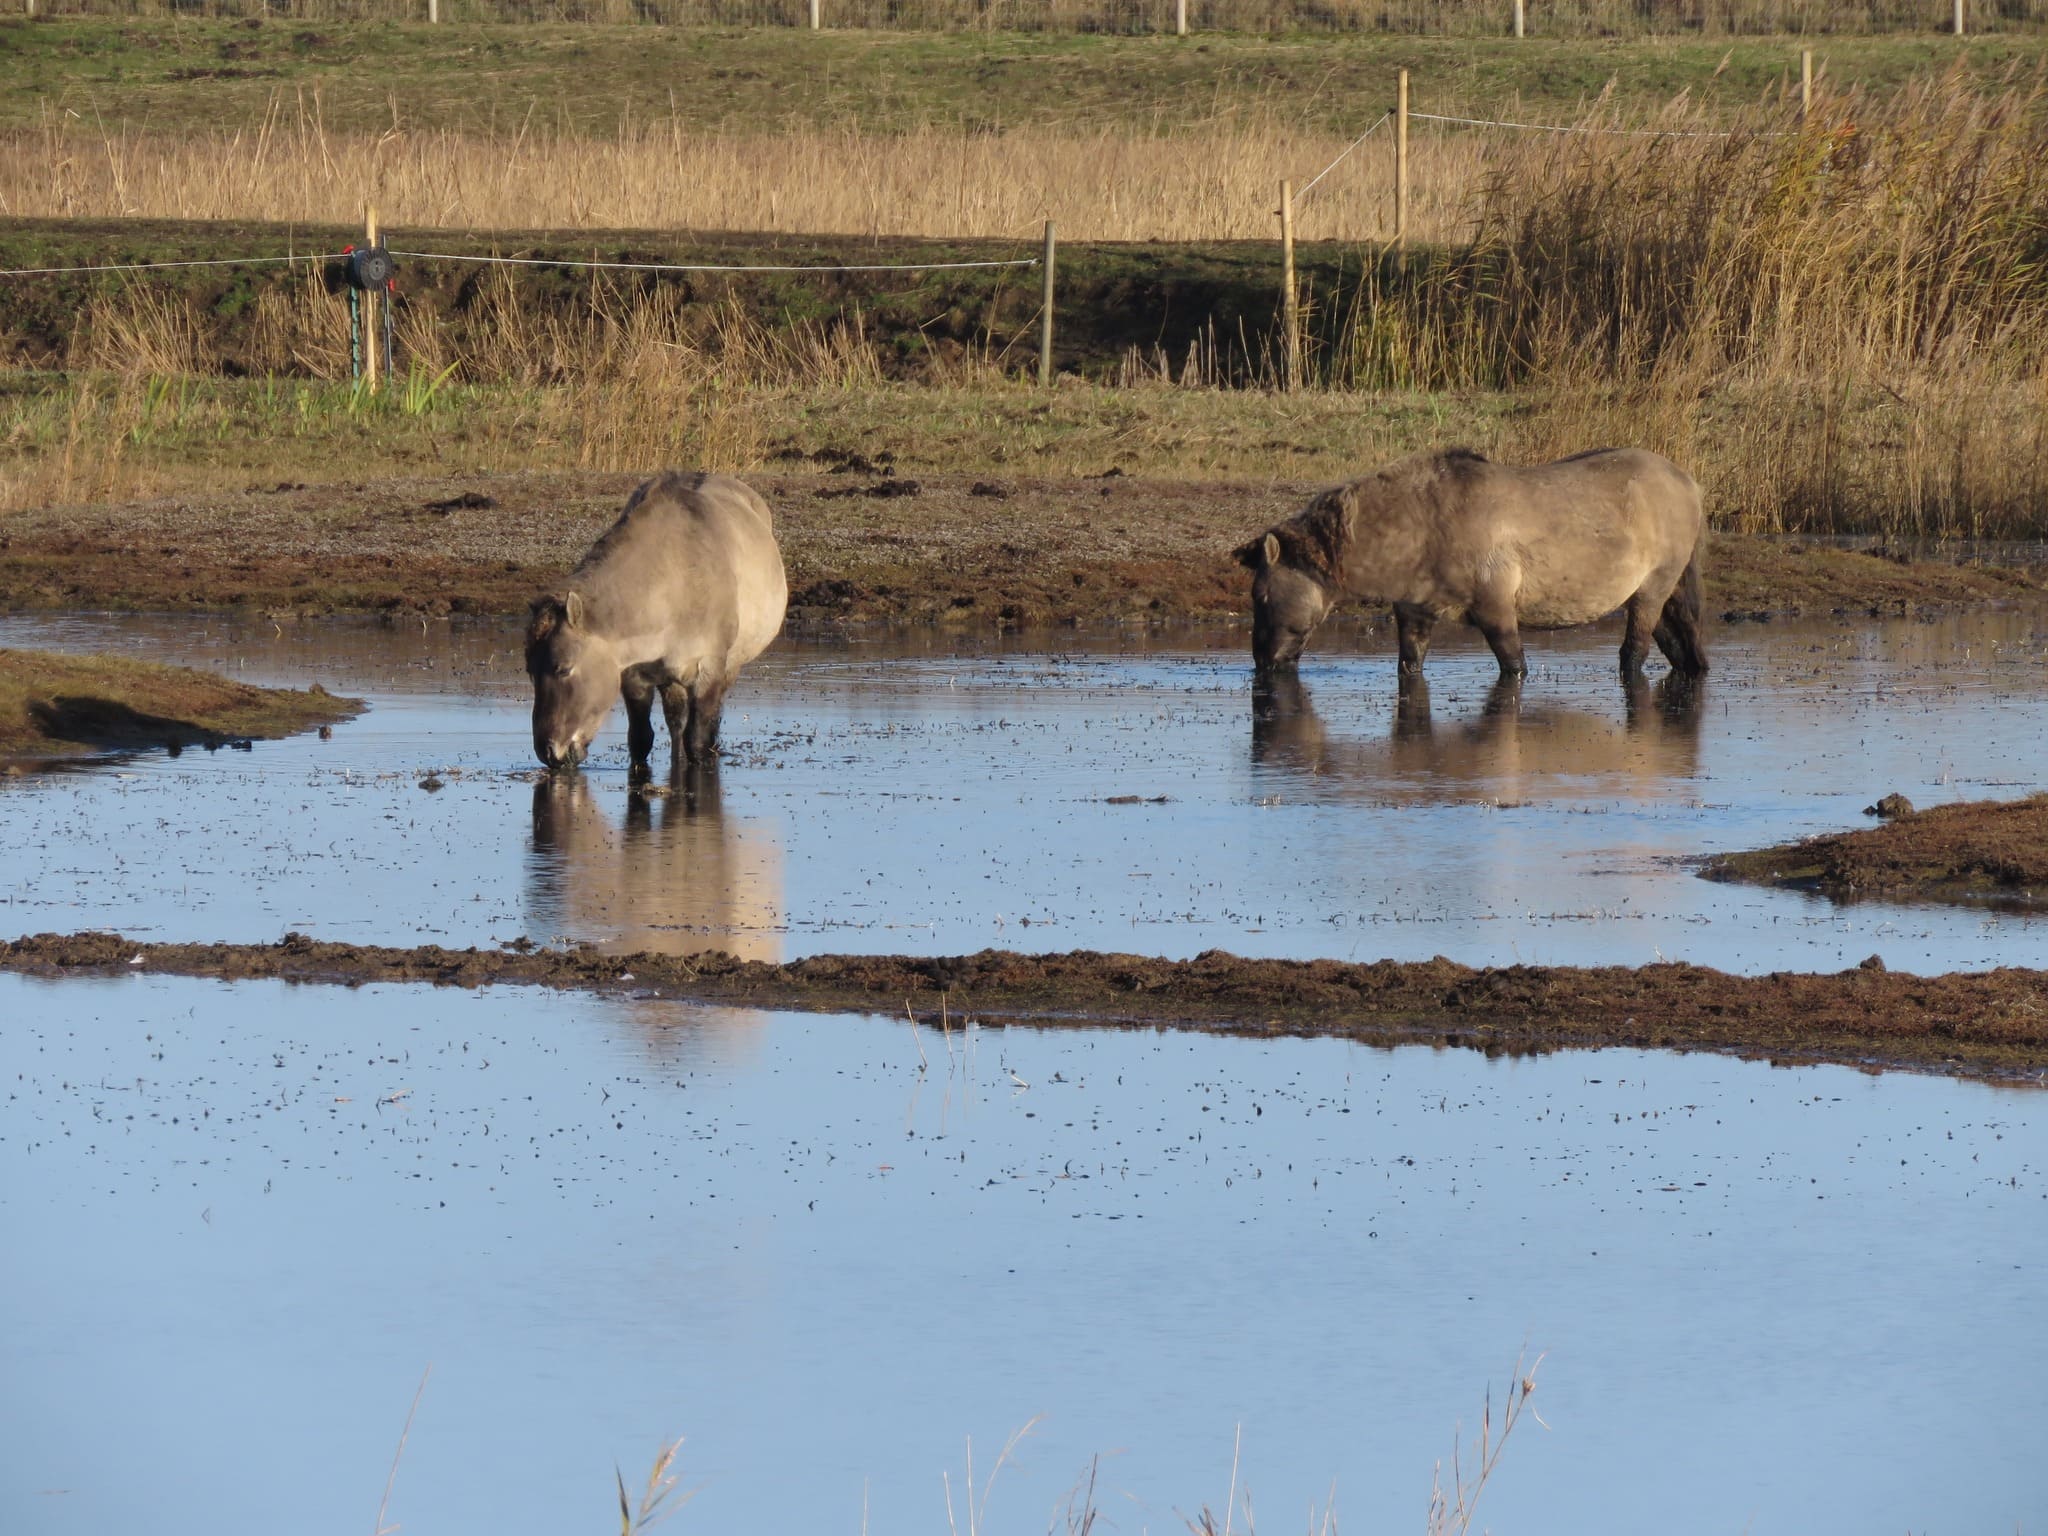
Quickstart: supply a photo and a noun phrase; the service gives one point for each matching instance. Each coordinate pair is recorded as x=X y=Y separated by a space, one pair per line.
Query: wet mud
x=946 y=550
x=55 y=707
x=1993 y=851
x=1991 y=1024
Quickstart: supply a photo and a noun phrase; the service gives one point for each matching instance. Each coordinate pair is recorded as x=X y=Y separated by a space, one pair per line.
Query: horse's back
x=1587 y=532
x=693 y=560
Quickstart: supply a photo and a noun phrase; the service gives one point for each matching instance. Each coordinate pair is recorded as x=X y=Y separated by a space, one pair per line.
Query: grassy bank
x=1835 y=323
x=1980 y=850
x=1773 y=461
x=185 y=74
x=56 y=706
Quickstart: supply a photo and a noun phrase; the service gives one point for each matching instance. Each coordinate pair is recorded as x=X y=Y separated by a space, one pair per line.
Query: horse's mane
x=1314 y=540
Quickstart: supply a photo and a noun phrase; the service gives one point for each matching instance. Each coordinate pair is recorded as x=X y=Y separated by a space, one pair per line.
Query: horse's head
x=1287 y=604
x=575 y=678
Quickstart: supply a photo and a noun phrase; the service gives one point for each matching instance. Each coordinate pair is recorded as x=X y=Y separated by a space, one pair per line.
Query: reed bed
x=1215 y=181
x=1458 y=18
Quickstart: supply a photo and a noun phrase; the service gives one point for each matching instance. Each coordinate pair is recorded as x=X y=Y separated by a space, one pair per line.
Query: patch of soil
x=1988 y=1024
x=1028 y=551
x=57 y=706
x=1979 y=850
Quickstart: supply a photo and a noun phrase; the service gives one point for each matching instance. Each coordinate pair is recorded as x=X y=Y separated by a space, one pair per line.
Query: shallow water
x=908 y=795
x=244 y=1218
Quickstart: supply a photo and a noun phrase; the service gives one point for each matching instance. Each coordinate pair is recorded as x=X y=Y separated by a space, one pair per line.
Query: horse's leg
x=638 y=692
x=1414 y=626
x=1496 y=621
x=700 y=741
x=1678 y=637
x=675 y=709
x=1411 y=707
x=1635 y=638
x=1678 y=626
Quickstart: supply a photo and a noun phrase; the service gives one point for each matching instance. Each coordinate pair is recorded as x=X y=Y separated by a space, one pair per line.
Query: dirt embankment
x=1991 y=1024
x=864 y=545
x=1979 y=850
x=54 y=706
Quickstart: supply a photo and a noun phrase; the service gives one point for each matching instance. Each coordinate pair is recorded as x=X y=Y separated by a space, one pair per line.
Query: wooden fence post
x=1805 y=83
x=1290 y=302
x=1180 y=18
x=373 y=313
x=815 y=19
x=1960 y=7
x=434 y=12
x=1401 y=164
x=1521 y=19
x=1045 y=315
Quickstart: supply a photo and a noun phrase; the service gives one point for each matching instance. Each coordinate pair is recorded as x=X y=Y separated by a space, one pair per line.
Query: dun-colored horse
x=682 y=591
x=1453 y=535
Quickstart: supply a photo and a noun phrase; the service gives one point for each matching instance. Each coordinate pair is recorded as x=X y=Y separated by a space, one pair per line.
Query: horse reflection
x=1509 y=751
x=675 y=876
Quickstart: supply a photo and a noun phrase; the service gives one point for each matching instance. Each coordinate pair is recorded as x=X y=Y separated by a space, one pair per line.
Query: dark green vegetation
x=182 y=73
x=291 y=321
x=1979 y=850
x=57 y=706
x=1989 y=1024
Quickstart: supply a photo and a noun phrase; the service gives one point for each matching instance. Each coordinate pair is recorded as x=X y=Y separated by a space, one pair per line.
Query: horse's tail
x=1678 y=629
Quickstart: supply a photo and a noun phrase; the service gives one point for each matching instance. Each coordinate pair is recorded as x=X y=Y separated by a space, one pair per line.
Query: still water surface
x=908 y=797
x=241 y=1219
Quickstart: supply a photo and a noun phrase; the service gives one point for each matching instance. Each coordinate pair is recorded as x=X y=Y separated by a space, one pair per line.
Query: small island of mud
x=55 y=707
x=1991 y=1024
x=1993 y=851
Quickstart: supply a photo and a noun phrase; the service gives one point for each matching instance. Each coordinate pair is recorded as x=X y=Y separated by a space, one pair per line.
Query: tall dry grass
x=1763 y=300
x=1466 y=18
x=1215 y=180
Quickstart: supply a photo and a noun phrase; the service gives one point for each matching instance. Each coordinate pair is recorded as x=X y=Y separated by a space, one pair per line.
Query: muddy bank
x=1989 y=1024
x=1981 y=850
x=864 y=545
x=61 y=706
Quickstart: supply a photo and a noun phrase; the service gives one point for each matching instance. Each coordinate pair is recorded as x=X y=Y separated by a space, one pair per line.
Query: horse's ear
x=572 y=610
x=1261 y=551
x=543 y=619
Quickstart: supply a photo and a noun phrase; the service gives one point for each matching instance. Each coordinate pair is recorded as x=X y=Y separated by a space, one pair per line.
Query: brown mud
x=863 y=546
x=1992 y=1024
x=54 y=707
x=1989 y=851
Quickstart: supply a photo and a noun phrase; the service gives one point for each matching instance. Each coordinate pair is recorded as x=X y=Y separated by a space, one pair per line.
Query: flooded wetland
x=829 y=1247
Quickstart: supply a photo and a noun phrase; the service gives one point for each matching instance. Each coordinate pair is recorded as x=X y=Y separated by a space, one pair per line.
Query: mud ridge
x=1993 y=852
x=1991 y=1024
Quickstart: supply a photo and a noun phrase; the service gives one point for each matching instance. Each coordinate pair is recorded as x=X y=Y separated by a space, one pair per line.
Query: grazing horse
x=1452 y=535
x=680 y=593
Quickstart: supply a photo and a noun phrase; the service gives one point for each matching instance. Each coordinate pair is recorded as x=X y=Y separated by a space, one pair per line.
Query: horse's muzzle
x=558 y=758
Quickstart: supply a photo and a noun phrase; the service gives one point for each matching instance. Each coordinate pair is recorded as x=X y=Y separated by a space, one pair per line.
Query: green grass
x=177 y=74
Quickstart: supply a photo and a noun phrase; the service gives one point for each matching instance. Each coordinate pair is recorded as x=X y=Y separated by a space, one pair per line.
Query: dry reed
x=1213 y=181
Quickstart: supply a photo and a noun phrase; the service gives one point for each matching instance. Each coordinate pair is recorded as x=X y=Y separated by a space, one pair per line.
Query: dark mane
x=1314 y=539
x=668 y=487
